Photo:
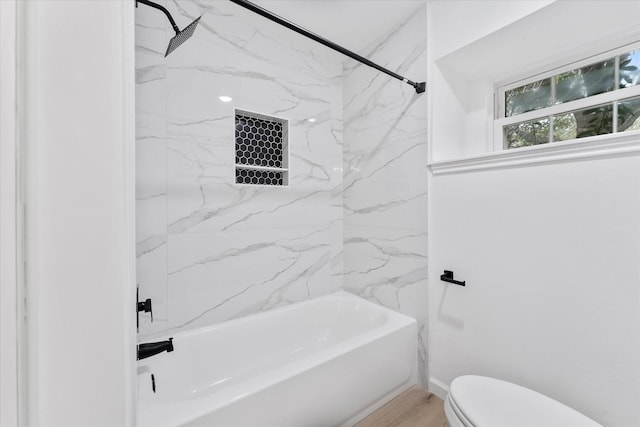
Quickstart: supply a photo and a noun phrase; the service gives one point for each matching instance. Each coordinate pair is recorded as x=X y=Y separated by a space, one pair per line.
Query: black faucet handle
x=146 y=307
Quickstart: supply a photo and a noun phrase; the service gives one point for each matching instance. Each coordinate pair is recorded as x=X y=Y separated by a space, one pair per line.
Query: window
x=261 y=149
x=598 y=96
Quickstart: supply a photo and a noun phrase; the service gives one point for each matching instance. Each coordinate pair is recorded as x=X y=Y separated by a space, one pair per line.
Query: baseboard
x=438 y=388
x=378 y=404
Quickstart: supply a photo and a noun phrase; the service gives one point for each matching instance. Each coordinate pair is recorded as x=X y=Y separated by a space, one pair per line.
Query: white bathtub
x=323 y=362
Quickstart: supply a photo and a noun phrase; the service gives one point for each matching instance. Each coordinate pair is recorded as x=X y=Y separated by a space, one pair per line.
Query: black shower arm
x=419 y=87
x=165 y=11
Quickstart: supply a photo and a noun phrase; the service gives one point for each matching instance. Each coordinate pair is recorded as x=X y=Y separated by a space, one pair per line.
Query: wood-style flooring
x=413 y=408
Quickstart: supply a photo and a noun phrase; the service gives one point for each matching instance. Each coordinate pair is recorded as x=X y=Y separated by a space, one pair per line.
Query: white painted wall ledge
x=601 y=146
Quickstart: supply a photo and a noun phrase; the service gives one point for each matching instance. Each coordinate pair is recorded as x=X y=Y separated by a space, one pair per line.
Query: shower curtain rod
x=419 y=87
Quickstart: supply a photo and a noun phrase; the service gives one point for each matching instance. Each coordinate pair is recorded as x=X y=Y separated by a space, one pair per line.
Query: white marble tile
x=413 y=301
x=385 y=158
x=384 y=200
x=376 y=256
x=195 y=113
x=357 y=206
x=389 y=266
x=192 y=169
x=150 y=33
x=151 y=185
x=222 y=275
x=203 y=196
x=151 y=166
x=150 y=73
x=385 y=178
x=151 y=222
x=233 y=250
x=150 y=110
x=151 y=277
x=239 y=35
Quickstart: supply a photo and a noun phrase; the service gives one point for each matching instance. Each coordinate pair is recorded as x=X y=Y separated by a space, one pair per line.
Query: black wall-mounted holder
x=448 y=277
x=144 y=306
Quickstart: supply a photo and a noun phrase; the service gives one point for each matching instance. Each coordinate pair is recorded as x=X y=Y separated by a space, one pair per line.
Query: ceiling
x=354 y=24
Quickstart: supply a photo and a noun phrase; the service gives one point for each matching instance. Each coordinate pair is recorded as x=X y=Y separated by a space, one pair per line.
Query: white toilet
x=475 y=401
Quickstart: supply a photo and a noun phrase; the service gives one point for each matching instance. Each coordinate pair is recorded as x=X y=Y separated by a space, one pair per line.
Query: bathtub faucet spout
x=153 y=348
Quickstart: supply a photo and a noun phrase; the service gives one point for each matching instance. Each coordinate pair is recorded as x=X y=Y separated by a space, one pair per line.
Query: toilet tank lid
x=489 y=402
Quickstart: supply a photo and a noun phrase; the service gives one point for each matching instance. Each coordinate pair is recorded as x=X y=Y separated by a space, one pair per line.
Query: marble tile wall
x=385 y=177
x=151 y=166
x=210 y=250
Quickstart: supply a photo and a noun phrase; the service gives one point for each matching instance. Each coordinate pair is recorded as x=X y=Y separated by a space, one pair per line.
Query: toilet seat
x=454 y=415
x=476 y=401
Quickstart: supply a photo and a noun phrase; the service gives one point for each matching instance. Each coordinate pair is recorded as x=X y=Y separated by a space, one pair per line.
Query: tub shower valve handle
x=145 y=306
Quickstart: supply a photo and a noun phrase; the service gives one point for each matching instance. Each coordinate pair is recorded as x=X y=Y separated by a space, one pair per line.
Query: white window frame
x=500 y=121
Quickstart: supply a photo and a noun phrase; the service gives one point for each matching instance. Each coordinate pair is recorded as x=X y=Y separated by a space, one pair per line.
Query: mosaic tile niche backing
x=261 y=149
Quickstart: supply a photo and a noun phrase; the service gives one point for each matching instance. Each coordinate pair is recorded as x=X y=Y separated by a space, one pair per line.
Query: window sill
x=621 y=144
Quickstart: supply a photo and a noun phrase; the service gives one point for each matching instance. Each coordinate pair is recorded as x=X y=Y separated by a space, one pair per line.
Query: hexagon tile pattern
x=249 y=176
x=260 y=141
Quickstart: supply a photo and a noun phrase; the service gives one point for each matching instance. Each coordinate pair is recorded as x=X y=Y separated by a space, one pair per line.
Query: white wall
x=550 y=254
x=469 y=21
x=476 y=46
x=461 y=92
x=8 y=220
x=78 y=129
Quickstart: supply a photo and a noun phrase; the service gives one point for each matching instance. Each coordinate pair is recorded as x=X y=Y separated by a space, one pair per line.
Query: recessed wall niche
x=261 y=147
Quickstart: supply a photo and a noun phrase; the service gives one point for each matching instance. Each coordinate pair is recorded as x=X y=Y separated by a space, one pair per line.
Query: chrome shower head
x=182 y=36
